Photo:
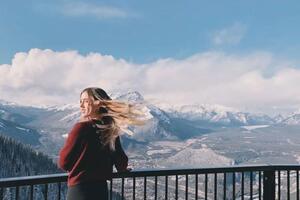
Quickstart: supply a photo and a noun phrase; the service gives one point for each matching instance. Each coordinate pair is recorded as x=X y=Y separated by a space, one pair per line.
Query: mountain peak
x=131 y=96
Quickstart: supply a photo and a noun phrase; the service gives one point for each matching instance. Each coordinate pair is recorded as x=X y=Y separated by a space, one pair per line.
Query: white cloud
x=79 y=9
x=230 y=35
x=48 y=77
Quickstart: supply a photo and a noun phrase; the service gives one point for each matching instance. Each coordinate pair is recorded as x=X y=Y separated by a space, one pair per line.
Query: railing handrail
x=62 y=177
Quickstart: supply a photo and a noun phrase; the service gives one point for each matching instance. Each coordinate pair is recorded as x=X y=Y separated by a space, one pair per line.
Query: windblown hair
x=115 y=116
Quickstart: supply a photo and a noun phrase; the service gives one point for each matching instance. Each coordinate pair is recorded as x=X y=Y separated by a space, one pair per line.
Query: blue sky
x=143 y=31
x=237 y=53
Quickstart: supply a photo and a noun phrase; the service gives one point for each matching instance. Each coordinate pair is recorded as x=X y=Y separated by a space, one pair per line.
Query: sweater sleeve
x=70 y=152
x=120 y=159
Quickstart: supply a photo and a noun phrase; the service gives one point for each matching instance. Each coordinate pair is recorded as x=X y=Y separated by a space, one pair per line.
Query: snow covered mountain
x=189 y=158
x=19 y=132
x=167 y=135
x=131 y=96
x=40 y=127
x=12 y=125
x=218 y=115
x=47 y=125
x=159 y=124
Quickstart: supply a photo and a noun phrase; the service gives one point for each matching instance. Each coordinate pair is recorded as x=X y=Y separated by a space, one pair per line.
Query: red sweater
x=86 y=159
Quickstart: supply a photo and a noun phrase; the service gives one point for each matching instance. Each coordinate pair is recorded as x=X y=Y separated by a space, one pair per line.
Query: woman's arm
x=69 y=154
x=120 y=158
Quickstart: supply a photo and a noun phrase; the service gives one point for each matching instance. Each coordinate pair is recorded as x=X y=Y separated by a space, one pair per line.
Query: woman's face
x=87 y=106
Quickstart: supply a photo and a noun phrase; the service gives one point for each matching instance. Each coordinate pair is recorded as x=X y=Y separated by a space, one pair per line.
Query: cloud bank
x=254 y=81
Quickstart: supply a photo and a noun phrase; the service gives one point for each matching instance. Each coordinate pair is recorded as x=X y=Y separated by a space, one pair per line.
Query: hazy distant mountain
x=218 y=115
x=293 y=119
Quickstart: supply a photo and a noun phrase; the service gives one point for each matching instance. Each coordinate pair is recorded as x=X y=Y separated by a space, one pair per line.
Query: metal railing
x=236 y=182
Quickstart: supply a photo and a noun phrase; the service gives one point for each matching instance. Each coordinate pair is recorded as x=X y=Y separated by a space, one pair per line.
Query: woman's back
x=86 y=158
x=93 y=145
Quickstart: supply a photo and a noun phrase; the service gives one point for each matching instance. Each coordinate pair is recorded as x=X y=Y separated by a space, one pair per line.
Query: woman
x=93 y=145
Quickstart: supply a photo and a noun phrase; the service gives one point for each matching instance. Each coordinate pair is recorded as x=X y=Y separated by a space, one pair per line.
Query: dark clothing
x=88 y=191
x=85 y=157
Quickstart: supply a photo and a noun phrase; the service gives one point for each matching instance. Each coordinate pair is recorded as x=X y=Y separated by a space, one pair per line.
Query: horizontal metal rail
x=241 y=182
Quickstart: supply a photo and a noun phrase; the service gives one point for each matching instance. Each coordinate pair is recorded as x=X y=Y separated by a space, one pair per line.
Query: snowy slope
x=19 y=132
x=293 y=119
x=194 y=158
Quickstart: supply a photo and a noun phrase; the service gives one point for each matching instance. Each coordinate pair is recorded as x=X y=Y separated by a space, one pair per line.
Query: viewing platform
x=236 y=182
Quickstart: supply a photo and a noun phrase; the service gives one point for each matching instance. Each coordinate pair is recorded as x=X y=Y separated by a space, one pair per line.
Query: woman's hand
x=129 y=169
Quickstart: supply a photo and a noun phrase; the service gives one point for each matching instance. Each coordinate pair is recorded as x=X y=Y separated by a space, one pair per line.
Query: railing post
x=269 y=185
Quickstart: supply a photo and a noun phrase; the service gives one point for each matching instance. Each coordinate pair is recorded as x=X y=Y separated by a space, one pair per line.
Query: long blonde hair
x=115 y=116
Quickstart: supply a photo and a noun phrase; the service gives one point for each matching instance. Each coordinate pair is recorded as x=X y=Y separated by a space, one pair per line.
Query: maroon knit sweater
x=85 y=157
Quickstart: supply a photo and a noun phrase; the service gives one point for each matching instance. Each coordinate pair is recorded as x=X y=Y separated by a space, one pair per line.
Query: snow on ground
x=160 y=151
x=250 y=128
x=63 y=107
x=289 y=141
x=191 y=141
x=23 y=129
x=71 y=116
x=297 y=158
x=176 y=145
x=249 y=137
